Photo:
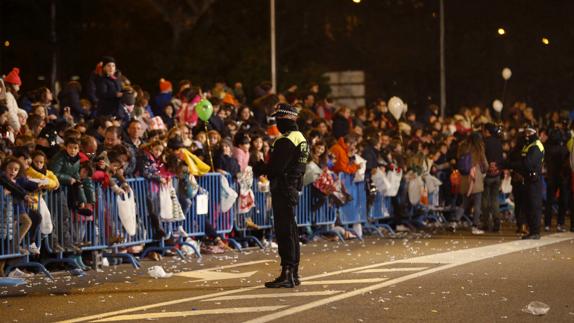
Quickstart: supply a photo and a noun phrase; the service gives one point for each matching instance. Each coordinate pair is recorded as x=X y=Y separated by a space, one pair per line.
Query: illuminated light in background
x=545 y=41
x=7 y=43
x=501 y=31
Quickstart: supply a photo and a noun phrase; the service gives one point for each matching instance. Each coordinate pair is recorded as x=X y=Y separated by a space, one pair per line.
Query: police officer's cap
x=529 y=131
x=284 y=110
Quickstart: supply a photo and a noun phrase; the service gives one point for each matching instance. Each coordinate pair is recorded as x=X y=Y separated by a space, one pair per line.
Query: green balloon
x=204 y=109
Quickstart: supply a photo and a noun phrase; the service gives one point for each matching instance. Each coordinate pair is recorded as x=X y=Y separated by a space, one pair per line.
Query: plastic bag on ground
x=536 y=308
x=158 y=272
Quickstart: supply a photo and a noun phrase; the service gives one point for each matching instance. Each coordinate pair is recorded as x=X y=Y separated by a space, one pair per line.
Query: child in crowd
x=151 y=166
x=49 y=182
x=224 y=161
x=19 y=188
x=80 y=195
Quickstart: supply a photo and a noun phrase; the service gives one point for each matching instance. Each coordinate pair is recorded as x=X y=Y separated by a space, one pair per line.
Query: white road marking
x=241 y=264
x=389 y=270
x=457 y=258
x=276 y=295
x=343 y=281
x=208 y=275
x=165 y=315
x=162 y=304
x=555 y=238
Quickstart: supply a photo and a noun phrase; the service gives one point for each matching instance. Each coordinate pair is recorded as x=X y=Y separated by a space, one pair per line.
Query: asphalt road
x=440 y=278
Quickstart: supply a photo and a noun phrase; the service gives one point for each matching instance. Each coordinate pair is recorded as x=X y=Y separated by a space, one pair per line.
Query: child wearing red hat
x=13 y=83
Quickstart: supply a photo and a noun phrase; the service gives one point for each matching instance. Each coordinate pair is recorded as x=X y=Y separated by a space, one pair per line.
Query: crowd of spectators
x=110 y=129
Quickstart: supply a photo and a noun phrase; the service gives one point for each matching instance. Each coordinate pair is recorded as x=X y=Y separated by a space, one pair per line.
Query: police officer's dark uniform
x=531 y=168
x=285 y=170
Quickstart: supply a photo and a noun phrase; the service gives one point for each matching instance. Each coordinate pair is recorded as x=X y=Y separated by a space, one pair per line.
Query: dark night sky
x=395 y=42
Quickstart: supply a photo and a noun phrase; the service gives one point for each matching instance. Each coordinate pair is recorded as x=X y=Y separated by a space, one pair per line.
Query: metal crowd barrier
x=263 y=212
x=354 y=211
x=11 y=242
x=115 y=234
x=73 y=232
x=303 y=209
x=221 y=221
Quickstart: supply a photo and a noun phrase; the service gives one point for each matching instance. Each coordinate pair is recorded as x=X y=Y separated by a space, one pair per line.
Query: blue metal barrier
x=354 y=211
x=114 y=232
x=11 y=215
x=221 y=221
x=379 y=212
x=72 y=231
x=263 y=213
x=303 y=209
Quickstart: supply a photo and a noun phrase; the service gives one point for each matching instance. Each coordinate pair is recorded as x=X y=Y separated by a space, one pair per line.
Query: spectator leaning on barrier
x=343 y=150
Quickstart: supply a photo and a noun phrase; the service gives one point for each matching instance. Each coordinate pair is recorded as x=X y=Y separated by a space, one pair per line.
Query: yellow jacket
x=52 y=180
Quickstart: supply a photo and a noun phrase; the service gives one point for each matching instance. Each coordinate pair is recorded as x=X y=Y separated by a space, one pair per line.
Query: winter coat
x=340 y=150
x=65 y=167
x=13 y=109
x=242 y=157
x=71 y=98
x=107 y=89
x=227 y=163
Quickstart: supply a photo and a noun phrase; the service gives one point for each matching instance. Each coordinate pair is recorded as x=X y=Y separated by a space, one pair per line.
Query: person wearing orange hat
x=164 y=97
x=13 y=83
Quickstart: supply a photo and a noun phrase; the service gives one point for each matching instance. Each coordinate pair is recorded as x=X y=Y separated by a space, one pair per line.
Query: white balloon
x=396 y=107
x=405 y=108
x=506 y=73
x=497 y=105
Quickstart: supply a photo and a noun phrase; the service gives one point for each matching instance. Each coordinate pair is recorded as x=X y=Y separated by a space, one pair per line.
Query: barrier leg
x=235 y=244
x=128 y=257
x=7 y=281
x=31 y=264
x=197 y=253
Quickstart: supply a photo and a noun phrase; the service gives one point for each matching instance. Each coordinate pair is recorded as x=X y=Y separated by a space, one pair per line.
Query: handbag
x=127 y=212
x=46 y=225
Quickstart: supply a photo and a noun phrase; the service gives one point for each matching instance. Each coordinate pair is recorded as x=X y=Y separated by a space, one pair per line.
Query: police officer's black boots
x=285 y=280
x=296 y=276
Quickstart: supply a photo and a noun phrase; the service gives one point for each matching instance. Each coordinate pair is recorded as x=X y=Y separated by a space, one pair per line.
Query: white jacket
x=12 y=112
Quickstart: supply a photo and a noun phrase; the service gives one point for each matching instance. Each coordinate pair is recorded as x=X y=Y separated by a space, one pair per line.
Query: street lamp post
x=442 y=63
x=273 y=49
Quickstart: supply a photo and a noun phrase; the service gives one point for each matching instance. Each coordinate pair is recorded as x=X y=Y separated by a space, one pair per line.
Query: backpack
x=464 y=164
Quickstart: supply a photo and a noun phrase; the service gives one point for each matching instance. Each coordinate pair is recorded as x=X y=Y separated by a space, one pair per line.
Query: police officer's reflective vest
x=537 y=143
x=299 y=141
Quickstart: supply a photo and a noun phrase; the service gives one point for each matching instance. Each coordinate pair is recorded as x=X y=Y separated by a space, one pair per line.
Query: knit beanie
x=13 y=77
x=165 y=85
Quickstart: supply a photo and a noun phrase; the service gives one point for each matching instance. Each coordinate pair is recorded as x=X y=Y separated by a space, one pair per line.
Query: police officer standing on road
x=530 y=167
x=285 y=170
